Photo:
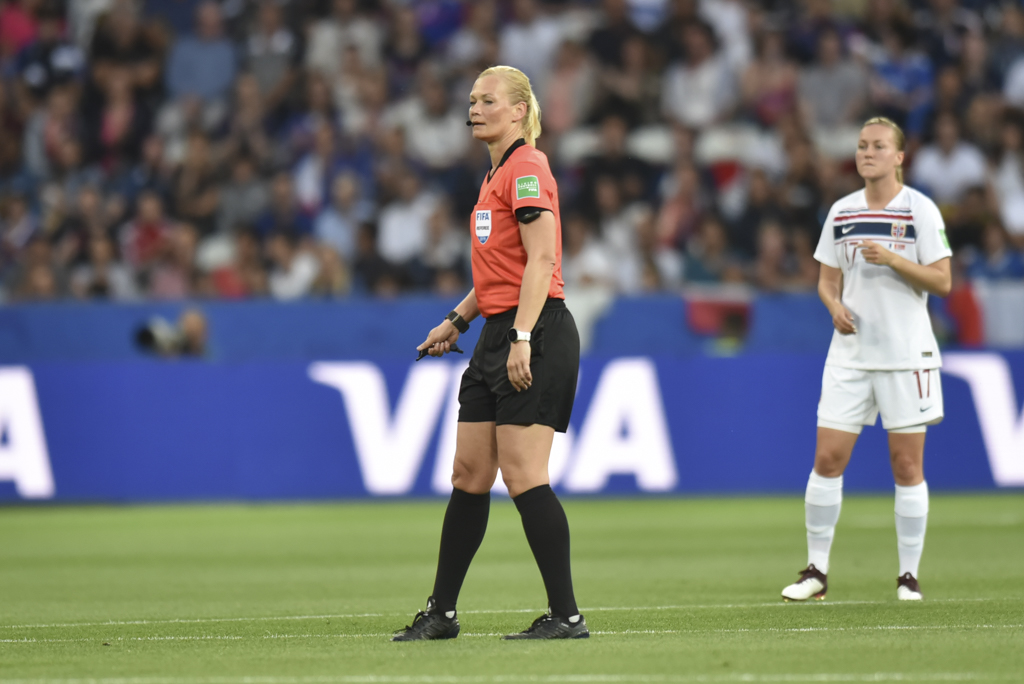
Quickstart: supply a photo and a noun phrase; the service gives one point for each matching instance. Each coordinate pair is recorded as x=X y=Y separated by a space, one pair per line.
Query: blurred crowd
x=170 y=149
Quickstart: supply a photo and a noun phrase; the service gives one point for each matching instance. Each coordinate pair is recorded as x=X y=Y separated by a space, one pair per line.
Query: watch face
x=513 y=335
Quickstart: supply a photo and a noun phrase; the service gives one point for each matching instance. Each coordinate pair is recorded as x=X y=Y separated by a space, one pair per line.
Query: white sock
x=911 y=521
x=822 y=502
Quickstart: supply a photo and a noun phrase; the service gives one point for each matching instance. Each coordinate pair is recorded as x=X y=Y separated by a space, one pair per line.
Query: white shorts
x=909 y=400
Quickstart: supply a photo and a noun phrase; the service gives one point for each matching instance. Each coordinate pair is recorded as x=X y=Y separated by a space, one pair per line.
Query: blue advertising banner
x=179 y=430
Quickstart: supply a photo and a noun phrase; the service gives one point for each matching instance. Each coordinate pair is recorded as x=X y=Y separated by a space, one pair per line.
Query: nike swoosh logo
x=925 y=409
x=848 y=229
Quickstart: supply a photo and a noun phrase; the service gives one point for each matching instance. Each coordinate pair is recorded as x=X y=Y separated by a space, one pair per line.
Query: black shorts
x=487 y=394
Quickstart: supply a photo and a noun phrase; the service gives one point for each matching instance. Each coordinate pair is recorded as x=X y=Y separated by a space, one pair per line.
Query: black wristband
x=460 y=323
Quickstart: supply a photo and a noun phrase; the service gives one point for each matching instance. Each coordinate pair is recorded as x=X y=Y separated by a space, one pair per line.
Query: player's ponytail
x=898 y=137
x=519 y=90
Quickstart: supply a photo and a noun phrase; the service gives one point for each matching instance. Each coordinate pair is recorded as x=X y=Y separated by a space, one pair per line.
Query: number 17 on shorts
x=905 y=398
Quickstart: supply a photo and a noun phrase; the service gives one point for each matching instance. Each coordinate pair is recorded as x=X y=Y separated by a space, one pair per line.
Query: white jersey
x=894 y=331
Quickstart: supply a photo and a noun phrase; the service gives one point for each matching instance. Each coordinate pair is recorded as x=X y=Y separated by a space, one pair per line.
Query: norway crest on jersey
x=899 y=229
x=482 y=224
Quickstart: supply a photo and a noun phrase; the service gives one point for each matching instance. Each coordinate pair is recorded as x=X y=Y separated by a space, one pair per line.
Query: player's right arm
x=830 y=277
x=830 y=289
x=440 y=340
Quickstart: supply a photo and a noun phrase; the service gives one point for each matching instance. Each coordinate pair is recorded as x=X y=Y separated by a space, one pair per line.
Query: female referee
x=882 y=250
x=521 y=382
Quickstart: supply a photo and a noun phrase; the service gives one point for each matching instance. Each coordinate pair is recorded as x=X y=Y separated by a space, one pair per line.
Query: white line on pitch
x=212 y=637
x=499 y=611
x=546 y=679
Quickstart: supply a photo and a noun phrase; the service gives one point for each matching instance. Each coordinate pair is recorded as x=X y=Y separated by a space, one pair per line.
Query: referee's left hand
x=440 y=340
x=519 y=366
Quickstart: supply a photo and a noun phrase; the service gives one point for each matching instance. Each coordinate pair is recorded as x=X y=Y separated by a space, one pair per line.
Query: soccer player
x=521 y=382
x=882 y=250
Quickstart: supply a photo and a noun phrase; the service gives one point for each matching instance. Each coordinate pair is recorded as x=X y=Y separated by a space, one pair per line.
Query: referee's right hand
x=440 y=340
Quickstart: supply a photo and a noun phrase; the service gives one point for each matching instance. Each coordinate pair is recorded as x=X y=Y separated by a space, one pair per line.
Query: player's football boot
x=430 y=624
x=550 y=627
x=813 y=583
x=907 y=588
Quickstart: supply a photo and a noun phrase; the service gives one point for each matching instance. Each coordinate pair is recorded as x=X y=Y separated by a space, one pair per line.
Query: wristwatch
x=460 y=323
x=518 y=335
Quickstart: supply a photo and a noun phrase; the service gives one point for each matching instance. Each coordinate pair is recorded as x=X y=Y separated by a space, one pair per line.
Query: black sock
x=465 y=522
x=547 y=530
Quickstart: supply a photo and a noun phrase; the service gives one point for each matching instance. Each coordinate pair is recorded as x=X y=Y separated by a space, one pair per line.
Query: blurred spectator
x=614 y=29
x=1008 y=46
x=614 y=161
x=761 y=205
x=731 y=23
x=1007 y=179
x=447 y=250
x=947 y=167
x=967 y=219
x=119 y=123
x=661 y=265
x=586 y=261
x=943 y=29
x=997 y=260
x=17 y=27
x=82 y=16
x=833 y=90
x=343 y=28
x=405 y=50
x=175 y=16
x=247 y=127
x=318 y=109
x=799 y=195
x=18 y=226
x=283 y=214
x=631 y=88
x=197 y=186
x=699 y=90
x=47 y=131
x=294 y=269
x=901 y=86
x=202 y=65
x=683 y=201
x=338 y=224
x=272 y=54
x=102 y=276
x=529 y=42
x=435 y=132
x=333 y=278
x=371 y=273
x=774 y=268
x=242 y=198
x=708 y=256
x=768 y=84
x=146 y=236
x=402 y=227
x=120 y=42
x=150 y=173
x=468 y=44
x=50 y=60
x=174 y=275
x=85 y=219
x=570 y=89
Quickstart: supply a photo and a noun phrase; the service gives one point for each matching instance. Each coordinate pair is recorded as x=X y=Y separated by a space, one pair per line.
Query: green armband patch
x=527 y=186
x=945 y=240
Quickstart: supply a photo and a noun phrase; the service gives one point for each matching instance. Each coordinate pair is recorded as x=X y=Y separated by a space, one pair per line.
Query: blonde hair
x=897 y=134
x=518 y=85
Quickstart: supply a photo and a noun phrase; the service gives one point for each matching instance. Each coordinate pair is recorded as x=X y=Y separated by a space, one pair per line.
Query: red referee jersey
x=522 y=179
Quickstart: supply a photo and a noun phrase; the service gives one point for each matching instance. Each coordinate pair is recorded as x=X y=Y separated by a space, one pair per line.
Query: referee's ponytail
x=898 y=137
x=519 y=90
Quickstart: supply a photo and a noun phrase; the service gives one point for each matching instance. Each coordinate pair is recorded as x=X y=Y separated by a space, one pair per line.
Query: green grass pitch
x=673 y=590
